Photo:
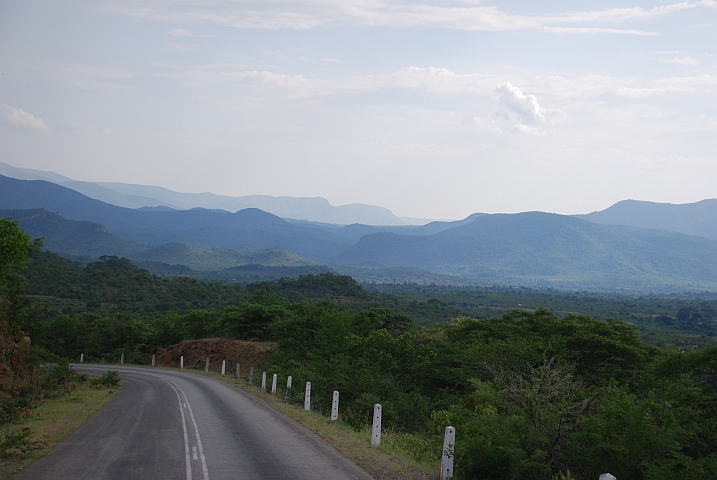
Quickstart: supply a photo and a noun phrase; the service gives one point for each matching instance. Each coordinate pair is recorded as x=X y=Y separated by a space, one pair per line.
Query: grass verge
x=25 y=440
x=389 y=461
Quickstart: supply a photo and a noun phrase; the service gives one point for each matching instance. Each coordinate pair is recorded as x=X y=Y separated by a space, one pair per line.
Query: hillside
x=535 y=249
x=698 y=218
x=88 y=241
x=71 y=238
x=358 y=230
x=540 y=248
x=315 y=209
x=248 y=229
x=210 y=259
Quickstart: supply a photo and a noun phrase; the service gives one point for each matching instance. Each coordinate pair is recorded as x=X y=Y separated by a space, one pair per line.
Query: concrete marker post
x=122 y=359
x=153 y=361
x=82 y=358
x=273 y=384
x=238 y=371
x=376 y=429
x=335 y=407
x=607 y=476
x=181 y=361
x=288 y=386
x=251 y=376
x=263 y=380
x=307 y=397
x=224 y=366
x=206 y=365
x=449 y=444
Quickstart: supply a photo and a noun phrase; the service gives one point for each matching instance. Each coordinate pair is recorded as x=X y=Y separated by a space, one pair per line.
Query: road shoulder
x=49 y=424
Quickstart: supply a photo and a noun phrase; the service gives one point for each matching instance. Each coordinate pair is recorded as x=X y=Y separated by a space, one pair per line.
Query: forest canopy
x=532 y=394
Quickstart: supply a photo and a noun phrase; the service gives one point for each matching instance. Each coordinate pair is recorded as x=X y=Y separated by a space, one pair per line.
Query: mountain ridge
x=537 y=246
x=249 y=229
x=698 y=218
x=88 y=241
x=533 y=248
x=316 y=209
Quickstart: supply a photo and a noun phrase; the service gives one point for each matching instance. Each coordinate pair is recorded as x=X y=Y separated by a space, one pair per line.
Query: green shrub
x=19 y=444
x=111 y=379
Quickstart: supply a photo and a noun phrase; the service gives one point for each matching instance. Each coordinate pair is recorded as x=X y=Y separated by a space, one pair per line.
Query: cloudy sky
x=432 y=109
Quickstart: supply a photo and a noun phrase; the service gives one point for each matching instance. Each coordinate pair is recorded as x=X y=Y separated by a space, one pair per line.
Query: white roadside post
x=449 y=443
x=206 y=365
x=288 y=386
x=307 y=397
x=224 y=366
x=153 y=361
x=607 y=476
x=263 y=380
x=122 y=359
x=238 y=371
x=273 y=384
x=82 y=358
x=335 y=406
x=251 y=376
x=376 y=430
x=181 y=361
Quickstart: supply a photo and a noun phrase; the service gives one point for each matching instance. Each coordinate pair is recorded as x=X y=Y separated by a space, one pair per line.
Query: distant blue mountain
x=136 y=196
x=248 y=229
x=357 y=230
x=698 y=218
x=534 y=248
x=547 y=248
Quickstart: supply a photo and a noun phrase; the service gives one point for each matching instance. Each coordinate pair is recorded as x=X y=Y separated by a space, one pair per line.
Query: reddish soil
x=247 y=354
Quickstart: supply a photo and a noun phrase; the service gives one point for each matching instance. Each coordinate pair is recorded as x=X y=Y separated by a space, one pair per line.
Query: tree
x=15 y=247
x=16 y=362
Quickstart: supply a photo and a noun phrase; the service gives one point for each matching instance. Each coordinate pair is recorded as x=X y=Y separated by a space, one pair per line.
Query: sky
x=431 y=109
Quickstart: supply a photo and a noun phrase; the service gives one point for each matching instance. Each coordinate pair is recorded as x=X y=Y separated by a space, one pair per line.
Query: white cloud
x=698 y=84
x=593 y=30
x=183 y=32
x=678 y=58
x=180 y=32
x=317 y=13
x=429 y=79
x=182 y=48
x=629 y=13
x=519 y=107
x=20 y=119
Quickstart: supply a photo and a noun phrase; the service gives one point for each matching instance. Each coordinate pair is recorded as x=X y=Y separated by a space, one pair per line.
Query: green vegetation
x=548 y=250
x=532 y=394
x=665 y=320
x=33 y=434
x=389 y=462
x=31 y=377
x=86 y=241
x=117 y=285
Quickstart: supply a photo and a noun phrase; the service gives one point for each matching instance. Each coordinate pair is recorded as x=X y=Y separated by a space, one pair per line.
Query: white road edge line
x=187 y=460
x=205 y=471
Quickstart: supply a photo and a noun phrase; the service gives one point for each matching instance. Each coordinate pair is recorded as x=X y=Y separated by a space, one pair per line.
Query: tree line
x=533 y=395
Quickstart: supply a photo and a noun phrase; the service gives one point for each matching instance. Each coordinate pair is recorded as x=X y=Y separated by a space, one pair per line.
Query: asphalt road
x=176 y=425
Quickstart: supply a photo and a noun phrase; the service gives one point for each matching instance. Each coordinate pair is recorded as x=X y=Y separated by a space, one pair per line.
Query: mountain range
x=592 y=251
x=698 y=218
x=82 y=240
x=314 y=209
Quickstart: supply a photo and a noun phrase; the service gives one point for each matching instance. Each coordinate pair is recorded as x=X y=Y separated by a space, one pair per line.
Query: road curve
x=176 y=425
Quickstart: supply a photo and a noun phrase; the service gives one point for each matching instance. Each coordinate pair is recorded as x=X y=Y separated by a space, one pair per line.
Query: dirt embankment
x=246 y=354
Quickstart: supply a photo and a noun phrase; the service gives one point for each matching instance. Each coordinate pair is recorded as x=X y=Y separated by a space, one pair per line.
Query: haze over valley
x=610 y=250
